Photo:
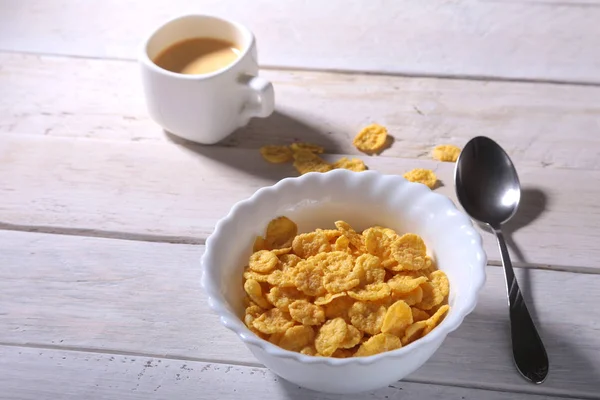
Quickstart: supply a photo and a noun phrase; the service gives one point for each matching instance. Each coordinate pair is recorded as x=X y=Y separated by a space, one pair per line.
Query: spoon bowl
x=487 y=184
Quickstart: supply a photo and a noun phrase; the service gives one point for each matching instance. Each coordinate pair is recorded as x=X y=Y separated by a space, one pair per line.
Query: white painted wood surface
x=74 y=375
x=538 y=124
x=85 y=313
x=176 y=193
x=538 y=40
x=134 y=297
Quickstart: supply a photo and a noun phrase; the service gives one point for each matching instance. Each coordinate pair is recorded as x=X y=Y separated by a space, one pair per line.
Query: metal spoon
x=488 y=188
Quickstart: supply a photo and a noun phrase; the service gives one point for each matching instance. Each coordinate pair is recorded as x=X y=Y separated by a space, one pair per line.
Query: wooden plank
x=106 y=295
x=57 y=374
x=531 y=120
x=508 y=39
x=176 y=193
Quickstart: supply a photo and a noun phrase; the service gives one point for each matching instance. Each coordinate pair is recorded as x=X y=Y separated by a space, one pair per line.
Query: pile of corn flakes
x=341 y=293
x=372 y=139
x=306 y=158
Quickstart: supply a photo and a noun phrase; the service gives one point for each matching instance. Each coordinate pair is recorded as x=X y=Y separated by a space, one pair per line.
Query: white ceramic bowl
x=364 y=199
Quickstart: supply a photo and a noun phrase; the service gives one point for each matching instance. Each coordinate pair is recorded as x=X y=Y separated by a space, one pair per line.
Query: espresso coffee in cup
x=197 y=56
x=200 y=78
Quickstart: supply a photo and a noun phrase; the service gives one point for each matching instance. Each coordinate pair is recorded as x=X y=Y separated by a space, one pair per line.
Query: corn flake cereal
x=424 y=176
x=411 y=298
x=313 y=148
x=413 y=332
x=378 y=344
x=330 y=336
x=341 y=293
x=263 y=261
x=367 y=317
x=440 y=281
x=353 y=337
x=310 y=244
x=280 y=233
x=307 y=313
x=446 y=152
x=306 y=161
x=355 y=164
x=254 y=291
x=371 y=139
x=435 y=319
x=419 y=315
x=397 y=318
x=297 y=338
x=276 y=154
x=282 y=297
x=273 y=321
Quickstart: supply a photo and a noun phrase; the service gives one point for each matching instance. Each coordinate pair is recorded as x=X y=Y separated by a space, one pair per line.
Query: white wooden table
x=103 y=218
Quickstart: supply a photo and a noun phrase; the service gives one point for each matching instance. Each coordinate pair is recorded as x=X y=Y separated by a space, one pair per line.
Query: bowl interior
x=363 y=200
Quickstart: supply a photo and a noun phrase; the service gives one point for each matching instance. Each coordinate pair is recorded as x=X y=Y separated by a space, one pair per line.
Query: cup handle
x=262 y=98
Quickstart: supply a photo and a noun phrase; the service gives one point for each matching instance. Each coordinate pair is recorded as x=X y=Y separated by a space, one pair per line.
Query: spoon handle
x=528 y=350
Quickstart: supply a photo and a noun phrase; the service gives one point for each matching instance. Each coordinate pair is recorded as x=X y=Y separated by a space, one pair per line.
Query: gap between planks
x=341 y=71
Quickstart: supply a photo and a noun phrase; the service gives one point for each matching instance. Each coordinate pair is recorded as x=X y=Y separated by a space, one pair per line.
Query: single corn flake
x=378 y=344
x=263 y=261
x=371 y=139
x=259 y=244
x=353 y=337
x=419 y=315
x=273 y=321
x=413 y=332
x=411 y=298
x=330 y=336
x=440 y=281
x=342 y=353
x=397 y=318
x=333 y=262
x=281 y=232
x=446 y=152
x=338 y=282
x=281 y=278
x=371 y=292
x=288 y=261
x=410 y=253
x=310 y=244
x=309 y=279
x=281 y=252
x=367 y=317
x=355 y=164
x=402 y=284
x=431 y=297
x=328 y=298
x=309 y=351
x=342 y=243
x=368 y=270
x=339 y=307
x=282 y=297
x=313 y=148
x=276 y=154
x=306 y=161
x=297 y=338
x=307 y=313
x=435 y=319
x=254 y=291
x=346 y=229
x=424 y=176
x=248 y=274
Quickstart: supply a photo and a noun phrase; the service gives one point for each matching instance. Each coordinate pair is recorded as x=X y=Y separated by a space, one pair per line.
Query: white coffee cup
x=205 y=108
